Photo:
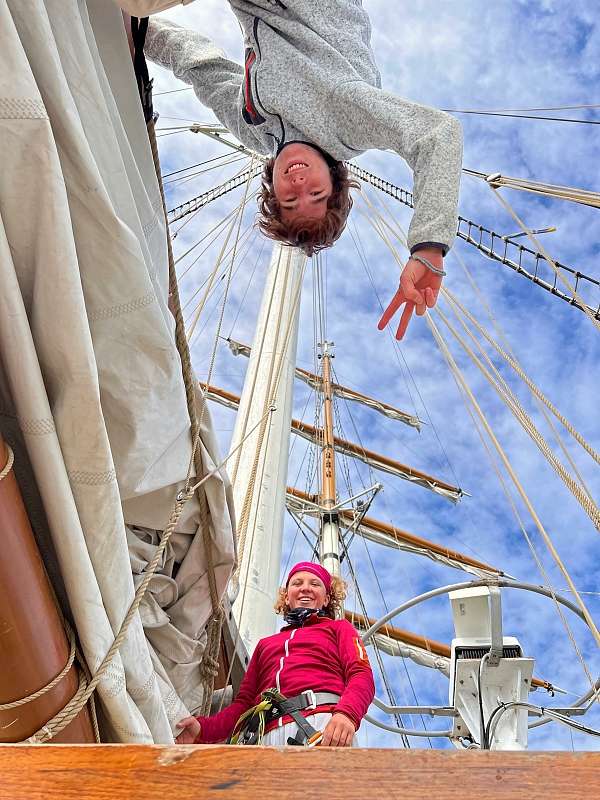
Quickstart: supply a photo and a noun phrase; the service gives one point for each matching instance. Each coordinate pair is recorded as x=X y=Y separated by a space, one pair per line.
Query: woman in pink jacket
x=317 y=662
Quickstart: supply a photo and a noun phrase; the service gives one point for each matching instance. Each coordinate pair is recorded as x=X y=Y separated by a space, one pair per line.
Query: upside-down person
x=309 y=97
x=317 y=663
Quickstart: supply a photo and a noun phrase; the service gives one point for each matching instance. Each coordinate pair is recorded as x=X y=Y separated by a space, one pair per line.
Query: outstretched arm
x=219 y=726
x=194 y=59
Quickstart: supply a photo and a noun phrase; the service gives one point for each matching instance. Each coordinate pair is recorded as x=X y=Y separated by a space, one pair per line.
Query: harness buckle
x=312 y=699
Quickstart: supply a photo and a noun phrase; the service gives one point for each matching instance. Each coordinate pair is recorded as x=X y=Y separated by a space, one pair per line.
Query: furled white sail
x=92 y=394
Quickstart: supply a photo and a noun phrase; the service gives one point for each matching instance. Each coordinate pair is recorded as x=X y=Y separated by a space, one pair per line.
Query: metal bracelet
x=428 y=264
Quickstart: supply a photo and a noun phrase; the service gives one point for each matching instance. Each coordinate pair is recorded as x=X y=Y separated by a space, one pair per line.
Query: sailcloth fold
x=91 y=398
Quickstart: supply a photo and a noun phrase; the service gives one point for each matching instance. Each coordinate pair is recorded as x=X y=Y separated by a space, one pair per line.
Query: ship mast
x=259 y=471
x=329 y=538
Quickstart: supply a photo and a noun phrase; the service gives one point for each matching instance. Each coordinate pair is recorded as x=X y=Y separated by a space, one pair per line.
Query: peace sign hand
x=419 y=289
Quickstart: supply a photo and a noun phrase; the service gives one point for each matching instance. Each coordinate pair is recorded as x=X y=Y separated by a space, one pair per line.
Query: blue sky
x=479 y=55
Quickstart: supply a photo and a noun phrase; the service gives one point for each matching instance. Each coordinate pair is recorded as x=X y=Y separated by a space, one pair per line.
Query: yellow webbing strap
x=268 y=698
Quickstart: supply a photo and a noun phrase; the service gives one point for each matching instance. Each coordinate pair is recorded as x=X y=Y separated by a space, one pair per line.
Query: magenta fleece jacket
x=325 y=655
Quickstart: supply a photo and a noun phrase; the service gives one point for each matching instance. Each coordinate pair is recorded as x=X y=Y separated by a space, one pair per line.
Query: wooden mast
x=329 y=539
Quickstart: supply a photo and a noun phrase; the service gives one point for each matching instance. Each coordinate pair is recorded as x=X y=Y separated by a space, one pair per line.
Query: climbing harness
x=250 y=727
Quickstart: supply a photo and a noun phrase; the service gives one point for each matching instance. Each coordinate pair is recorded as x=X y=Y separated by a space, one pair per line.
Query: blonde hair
x=337 y=594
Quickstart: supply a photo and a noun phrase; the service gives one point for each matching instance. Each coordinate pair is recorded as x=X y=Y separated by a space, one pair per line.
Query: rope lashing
x=9 y=462
x=49 y=686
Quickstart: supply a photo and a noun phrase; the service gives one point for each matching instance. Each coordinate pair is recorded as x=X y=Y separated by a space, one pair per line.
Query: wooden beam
x=341 y=445
x=154 y=772
x=398 y=535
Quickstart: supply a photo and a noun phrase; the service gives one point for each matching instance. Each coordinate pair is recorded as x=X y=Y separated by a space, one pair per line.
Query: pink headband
x=316 y=569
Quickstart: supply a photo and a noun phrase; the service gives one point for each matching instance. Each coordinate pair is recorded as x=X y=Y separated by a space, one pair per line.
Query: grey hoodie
x=310 y=75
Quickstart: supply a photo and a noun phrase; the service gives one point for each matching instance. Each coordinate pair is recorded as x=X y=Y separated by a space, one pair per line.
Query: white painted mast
x=260 y=501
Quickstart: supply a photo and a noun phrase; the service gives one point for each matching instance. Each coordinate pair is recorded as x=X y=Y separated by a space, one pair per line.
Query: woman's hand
x=419 y=289
x=338 y=732
x=190 y=730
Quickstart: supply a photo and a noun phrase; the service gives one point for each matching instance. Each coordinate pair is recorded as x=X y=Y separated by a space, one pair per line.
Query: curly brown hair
x=309 y=234
x=337 y=595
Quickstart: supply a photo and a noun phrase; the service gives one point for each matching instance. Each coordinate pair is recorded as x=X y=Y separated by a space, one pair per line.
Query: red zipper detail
x=249 y=106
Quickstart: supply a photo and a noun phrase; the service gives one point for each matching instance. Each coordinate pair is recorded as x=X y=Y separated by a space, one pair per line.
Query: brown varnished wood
x=33 y=645
x=123 y=772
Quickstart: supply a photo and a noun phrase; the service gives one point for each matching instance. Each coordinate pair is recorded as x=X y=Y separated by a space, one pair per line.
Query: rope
x=575 y=195
x=535 y=390
x=49 y=686
x=590 y=508
x=574 y=294
x=72 y=709
x=214 y=627
x=526 y=536
x=502 y=337
x=548 y=541
x=9 y=462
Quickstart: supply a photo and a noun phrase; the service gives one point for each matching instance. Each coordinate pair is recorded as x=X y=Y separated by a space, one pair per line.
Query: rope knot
x=209 y=667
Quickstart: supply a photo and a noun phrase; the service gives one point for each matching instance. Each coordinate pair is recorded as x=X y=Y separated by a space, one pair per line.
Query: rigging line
x=378 y=655
x=190 y=217
x=506 y=394
x=395 y=344
x=239 y=216
x=582 y=485
x=524 y=110
x=184 y=119
x=547 y=539
x=475 y=235
x=191 y=206
x=403 y=660
x=169 y=132
x=247 y=244
x=525 y=116
x=306 y=449
x=365 y=544
x=311 y=545
x=193 y=214
x=585 y=197
x=397 y=350
x=245 y=236
x=515 y=510
x=173 y=91
x=199 y=164
x=542 y=401
x=212 y=230
x=174 y=128
x=370 y=559
x=247 y=289
x=511 y=360
x=373 y=478
x=531 y=236
x=186 y=178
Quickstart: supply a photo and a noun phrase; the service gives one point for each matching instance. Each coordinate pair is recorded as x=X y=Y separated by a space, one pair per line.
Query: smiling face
x=305 y=590
x=301 y=182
